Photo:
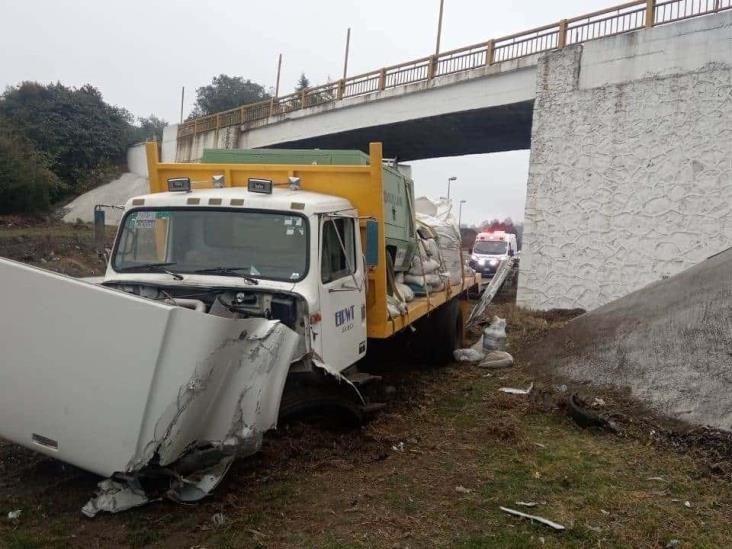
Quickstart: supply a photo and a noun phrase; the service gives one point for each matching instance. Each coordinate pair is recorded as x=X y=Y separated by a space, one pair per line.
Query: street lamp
x=460 y=213
x=450 y=180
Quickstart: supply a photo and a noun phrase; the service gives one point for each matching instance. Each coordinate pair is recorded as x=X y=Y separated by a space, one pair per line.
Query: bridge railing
x=611 y=21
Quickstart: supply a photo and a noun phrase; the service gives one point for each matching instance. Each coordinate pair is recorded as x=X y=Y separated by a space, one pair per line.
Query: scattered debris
x=606 y=513
x=599 y=402
x=673 y=544
x=540 y=445
x=218 y=519
x=583 y=417
x=527 y=503
x=14 y=515
x=595 y=529
x=398 y=447
x=542 y=520
x=687 y=504
x=514 y=391
x=659 y=479
x=462 y=490
x=113 y=497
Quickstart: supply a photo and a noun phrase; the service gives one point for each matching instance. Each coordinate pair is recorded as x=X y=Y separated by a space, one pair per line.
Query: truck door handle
x=343 y=288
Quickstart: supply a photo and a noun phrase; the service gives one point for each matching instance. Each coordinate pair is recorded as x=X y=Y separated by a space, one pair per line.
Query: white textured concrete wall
x=630 y=177
x=170 y=143
x=137 y=160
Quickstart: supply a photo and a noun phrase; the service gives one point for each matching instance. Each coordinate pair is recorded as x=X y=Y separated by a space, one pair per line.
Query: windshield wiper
x=151 y=267
x=229 y=271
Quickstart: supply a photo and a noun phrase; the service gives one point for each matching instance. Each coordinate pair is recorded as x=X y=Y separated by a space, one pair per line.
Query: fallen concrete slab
x=670 y=343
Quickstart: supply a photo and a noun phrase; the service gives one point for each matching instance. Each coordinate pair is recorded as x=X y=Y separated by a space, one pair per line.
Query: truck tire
x=445 y=332
x=311 y=394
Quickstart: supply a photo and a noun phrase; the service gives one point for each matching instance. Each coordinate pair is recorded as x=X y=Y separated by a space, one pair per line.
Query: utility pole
x=182 y=98
x=460 y=214
x=439 y=28
x=279 y=70
x=345 y=59
x=450 y=180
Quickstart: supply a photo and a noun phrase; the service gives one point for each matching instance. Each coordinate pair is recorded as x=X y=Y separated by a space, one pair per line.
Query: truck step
x=359 y=379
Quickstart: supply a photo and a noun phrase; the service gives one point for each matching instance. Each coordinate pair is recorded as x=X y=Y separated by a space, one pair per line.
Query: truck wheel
x=313 y=395
x=446 y=332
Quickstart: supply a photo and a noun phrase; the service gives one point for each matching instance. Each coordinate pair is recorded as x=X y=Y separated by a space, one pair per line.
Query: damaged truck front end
x=152 y=393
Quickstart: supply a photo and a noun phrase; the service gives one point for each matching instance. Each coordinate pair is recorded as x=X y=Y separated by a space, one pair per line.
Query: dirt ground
x=432 y=469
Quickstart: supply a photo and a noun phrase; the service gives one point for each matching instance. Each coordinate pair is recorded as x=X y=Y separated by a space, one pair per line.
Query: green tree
x=227 y=92
x=148 y=129
x=302 y=83
x=74 y=127
x=26 y=182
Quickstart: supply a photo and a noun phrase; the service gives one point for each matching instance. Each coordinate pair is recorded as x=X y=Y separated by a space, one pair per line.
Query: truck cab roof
x=281 y=199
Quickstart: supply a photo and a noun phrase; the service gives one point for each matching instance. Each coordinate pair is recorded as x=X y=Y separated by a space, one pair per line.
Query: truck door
x=342 y=292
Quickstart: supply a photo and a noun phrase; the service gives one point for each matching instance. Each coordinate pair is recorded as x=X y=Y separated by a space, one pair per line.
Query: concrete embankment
x=670 y=343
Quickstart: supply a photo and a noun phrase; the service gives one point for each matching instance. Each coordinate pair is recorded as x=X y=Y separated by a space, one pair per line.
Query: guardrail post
x=195 y=127
x=432 y=67
x=490 y=49
x=382 y=79
x=650 y=13
x=341 y=88
x=303 y=96
x=562 y=39
x=716 y=5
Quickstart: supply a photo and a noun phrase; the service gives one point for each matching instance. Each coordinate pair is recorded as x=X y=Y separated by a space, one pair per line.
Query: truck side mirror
x=372 y=243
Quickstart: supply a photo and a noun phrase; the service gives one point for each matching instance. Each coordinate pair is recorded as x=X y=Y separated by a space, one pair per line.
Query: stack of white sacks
x=437 y=260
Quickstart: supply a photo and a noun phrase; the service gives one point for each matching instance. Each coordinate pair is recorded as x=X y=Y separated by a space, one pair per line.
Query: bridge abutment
x=630 y=176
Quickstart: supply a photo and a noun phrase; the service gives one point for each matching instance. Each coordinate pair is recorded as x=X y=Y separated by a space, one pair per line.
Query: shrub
x=27 y=184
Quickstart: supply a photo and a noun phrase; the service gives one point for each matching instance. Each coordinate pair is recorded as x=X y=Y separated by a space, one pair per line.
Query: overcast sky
x=140 y=53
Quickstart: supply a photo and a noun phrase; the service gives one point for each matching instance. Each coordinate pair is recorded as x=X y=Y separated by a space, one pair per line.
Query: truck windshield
x=494 y=247
x=270 y=245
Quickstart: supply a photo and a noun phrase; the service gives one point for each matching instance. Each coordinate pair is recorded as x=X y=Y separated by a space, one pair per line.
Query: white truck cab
x=490 y=250
x=288 y=255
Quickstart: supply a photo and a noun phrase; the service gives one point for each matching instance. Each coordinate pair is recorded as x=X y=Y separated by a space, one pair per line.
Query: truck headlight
x=481 y=262
x=494 y=262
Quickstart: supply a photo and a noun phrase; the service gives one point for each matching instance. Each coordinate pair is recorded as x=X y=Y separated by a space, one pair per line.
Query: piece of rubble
x=14 y=515
x=536 y=518
x=462 y=490
x=515 y=391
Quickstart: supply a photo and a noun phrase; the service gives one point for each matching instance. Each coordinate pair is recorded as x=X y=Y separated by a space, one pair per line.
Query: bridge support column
x=631 y=163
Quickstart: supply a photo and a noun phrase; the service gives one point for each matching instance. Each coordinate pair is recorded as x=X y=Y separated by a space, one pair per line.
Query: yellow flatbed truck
x=235 y=293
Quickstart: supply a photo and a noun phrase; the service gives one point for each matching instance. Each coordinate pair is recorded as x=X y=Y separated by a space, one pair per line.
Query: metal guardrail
x=599 y=24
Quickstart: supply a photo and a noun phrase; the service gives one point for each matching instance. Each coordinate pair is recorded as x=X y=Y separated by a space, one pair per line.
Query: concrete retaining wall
x=630 y=176
x=137 y=160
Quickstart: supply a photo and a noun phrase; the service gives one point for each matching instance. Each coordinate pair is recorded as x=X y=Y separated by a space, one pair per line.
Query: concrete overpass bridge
x=476 y=99
x=627 y=112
